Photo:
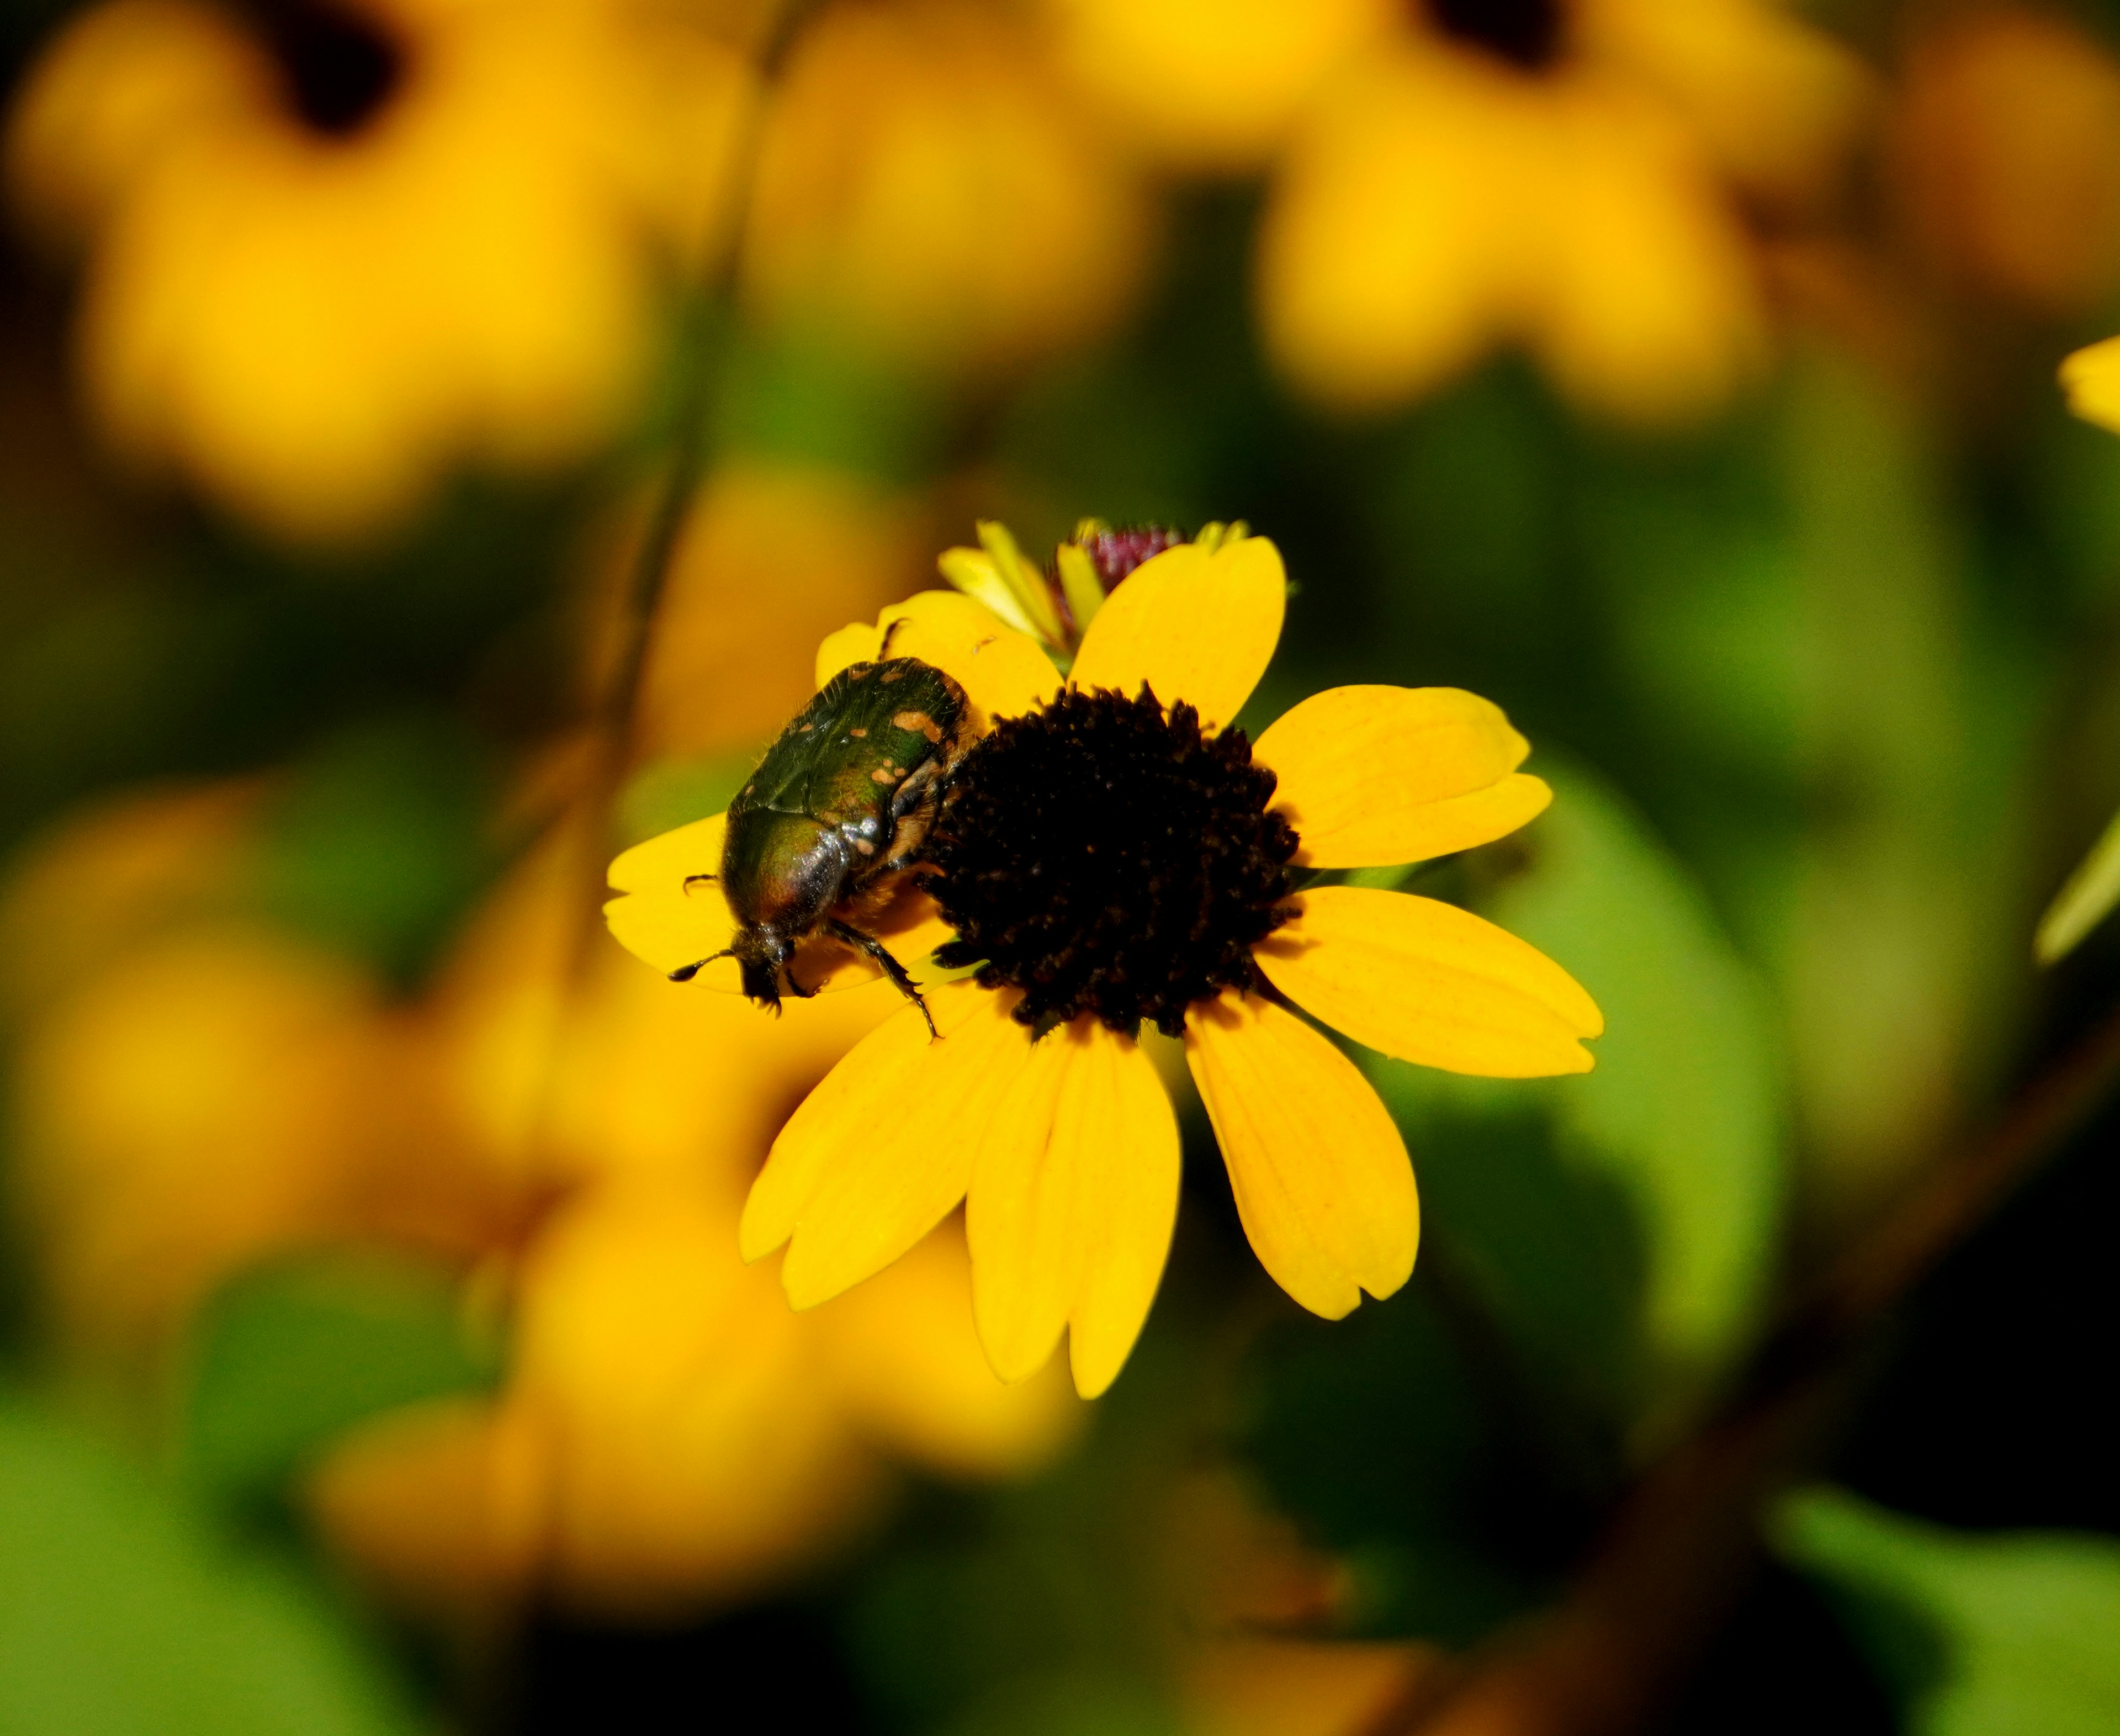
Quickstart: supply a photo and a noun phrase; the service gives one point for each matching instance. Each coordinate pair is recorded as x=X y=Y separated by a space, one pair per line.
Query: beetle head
x=762 y=953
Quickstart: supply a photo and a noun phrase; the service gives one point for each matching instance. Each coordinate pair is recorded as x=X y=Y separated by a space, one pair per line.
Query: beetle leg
x=693 y=880
x=874 y=950
x=794 y=988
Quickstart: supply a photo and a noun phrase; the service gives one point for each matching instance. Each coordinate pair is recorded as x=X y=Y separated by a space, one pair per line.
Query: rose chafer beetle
x=835 y=812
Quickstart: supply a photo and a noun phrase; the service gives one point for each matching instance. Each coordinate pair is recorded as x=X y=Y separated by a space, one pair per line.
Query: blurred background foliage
x=376 y=1353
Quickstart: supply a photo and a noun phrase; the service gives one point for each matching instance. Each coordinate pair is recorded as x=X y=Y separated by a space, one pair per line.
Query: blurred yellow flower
x=925 y=190
x=2006 y=143
x=337 y=245
x=1106 y=860
x=192 y=1089
x=669 y=1434
x=1456 y=175
x=772 y=557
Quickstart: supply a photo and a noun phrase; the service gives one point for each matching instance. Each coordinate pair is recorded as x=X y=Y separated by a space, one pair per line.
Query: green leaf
x=2084 y=902
x=1982 y=1636
x=120 y=1613
x=289 y=1357
x=1681 y=1123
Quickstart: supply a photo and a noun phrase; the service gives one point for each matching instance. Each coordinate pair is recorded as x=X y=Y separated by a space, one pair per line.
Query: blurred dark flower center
x=1526 y=33
x=1104 y=856
x=340 y=65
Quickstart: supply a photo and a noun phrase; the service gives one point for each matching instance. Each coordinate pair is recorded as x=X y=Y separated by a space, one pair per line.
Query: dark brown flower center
x=1526 y=33
x=340 y=67
x=1104 y=856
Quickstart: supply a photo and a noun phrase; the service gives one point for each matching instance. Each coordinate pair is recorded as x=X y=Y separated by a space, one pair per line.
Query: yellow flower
x=336 y=252
x=668 y=1436
x=1107 y=859
x=926 y=192
x=2005 y=140
x=1457 y=174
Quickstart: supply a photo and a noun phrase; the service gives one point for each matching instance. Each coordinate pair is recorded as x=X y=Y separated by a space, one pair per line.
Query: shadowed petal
x=1196 y=627
x=1320 y=1174
x=1073 y=1197
x=1372 y=776
x=671 y=924
x=882 y=1149
x=1431 y=982
x=1002 y=671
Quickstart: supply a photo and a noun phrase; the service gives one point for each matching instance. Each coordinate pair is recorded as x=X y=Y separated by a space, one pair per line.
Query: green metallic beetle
x=835 y=812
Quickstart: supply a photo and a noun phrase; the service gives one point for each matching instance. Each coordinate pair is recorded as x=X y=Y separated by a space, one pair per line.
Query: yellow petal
x=1319 y=1171
x=1431 y=982
x=882 y=1149
x=1194 y=625
x=1002 y=671
x=1371 y=776
x=660 y=918
x=671 y=923
x=1073 y=1197
x=2091 y=378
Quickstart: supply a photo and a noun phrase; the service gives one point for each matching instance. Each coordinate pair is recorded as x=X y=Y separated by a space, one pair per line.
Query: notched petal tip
x=1193 y=625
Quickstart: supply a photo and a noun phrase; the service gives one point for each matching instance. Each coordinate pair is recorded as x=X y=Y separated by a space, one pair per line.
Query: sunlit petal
x=882 y=1149
x=671 y=918
x=660 y=917
x=1427 y=982
x=1371 y=776
x=1320 y=1174
x=1073 y=1198
x=1002 y=671
x=1196 y=627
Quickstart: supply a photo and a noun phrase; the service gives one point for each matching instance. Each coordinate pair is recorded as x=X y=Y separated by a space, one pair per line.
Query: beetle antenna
x=685 y=973
x=693 y=880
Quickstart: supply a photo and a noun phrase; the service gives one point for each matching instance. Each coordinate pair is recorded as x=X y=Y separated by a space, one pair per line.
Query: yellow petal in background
x=1371 y=776
x=1073 y=1198
x=882 y=1149
x=1428 y=983
x=2091 y=379
x=1002 y=671
x=1194 y=625
x=1320 y=1174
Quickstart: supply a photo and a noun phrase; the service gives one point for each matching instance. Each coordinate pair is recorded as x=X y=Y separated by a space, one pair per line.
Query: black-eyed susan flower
x=1447 y=176
x=1114 y=852
x=335 y=247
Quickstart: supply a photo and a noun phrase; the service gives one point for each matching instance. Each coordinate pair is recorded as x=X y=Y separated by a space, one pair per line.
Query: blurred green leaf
x=290 y=1356
x=376 y=845
x=1681 y=1120
x=120 y=1613
x=673 y=793
x=1980 y=1635
x=1372 y=1433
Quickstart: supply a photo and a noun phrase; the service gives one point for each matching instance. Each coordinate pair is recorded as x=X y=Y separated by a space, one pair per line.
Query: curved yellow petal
x=882 y=1149
x=662 y=920
x=1194 y=625
x=2091 y=379
x=1427 y=982
x=1371 y=776
x=1002 y=671
x=1073 y=1198
x=671 y=918
x=1321 y=1176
